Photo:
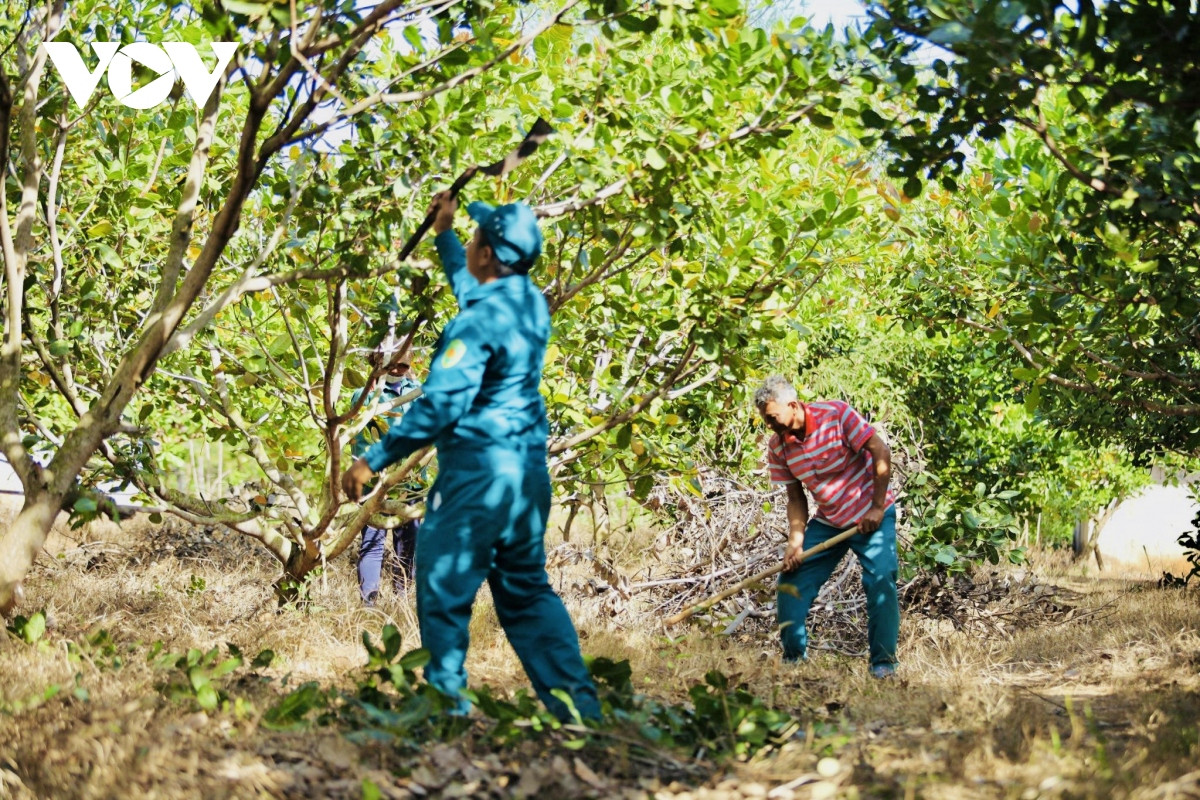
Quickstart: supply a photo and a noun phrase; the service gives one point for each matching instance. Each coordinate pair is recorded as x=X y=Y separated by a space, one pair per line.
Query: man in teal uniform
x=486 y=512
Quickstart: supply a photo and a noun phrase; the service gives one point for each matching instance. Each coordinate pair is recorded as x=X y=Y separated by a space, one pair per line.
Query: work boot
x=883 y=671
x=372 y=598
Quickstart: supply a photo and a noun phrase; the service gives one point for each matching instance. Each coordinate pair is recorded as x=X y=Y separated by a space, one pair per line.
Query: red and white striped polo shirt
x=830 y=461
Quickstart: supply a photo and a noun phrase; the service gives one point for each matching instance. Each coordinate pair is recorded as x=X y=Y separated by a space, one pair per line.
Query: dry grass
x=1103 y=708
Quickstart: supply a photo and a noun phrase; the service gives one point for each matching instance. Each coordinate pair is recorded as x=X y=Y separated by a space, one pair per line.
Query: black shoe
x=371 y=600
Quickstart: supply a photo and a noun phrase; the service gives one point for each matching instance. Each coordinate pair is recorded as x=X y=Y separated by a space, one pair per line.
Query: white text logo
x=179 y=61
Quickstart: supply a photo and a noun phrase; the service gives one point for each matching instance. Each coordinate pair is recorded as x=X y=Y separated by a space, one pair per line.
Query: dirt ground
x=1103 y=704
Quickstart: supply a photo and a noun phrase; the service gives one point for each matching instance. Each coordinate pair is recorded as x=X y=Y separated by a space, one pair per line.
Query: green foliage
x=371 y=791
x=978 y=431
x=99 y=650
x=721 y=721
x=1189 y=541
x=290 y=712
x=393 y=704
x=22 y=705
x=296 y=593
x=1077 y=248
x=29 y=629
x=196 y=585
x=197 y=675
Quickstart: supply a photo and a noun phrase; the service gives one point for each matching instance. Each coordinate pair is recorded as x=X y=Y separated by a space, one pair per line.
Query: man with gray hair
x=830 y=449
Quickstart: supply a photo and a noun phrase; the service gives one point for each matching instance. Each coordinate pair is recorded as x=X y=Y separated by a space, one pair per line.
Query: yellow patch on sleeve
x=454 y=353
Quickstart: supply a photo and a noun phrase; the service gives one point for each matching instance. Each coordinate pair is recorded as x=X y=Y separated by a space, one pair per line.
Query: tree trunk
x=1097 y=524
x=574 y=502
x=601 y=525
x=21 y=543
x=292 y=586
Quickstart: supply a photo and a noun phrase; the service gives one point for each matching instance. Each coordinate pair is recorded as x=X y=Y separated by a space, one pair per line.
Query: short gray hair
x=776 y=388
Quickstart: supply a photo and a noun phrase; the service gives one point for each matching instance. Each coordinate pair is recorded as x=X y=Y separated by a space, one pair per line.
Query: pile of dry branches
x=726 y=531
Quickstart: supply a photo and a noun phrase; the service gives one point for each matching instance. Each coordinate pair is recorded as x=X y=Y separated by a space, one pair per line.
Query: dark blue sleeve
x=455 y=376
x=454 y=262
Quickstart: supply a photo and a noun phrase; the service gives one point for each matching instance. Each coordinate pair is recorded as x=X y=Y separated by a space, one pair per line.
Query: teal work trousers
x=490 y=525
x=799 y=588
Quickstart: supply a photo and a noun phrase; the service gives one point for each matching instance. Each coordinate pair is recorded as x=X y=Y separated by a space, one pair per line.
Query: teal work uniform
x=486 y=513
x=403 y=532
x=385 y=395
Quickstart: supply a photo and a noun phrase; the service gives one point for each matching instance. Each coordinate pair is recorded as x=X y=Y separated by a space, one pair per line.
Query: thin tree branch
x=682 y=370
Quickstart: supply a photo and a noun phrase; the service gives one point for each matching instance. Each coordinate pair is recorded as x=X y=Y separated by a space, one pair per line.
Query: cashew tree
x=1074 y=127
x=217 y=271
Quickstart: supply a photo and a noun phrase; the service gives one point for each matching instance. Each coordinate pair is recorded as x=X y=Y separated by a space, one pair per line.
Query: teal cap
x=512 y=232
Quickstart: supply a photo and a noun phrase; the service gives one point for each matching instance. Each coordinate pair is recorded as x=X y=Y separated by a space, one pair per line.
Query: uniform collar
x=400 y=384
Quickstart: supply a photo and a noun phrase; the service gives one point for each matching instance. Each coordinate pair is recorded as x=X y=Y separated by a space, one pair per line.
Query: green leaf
x=207 y=698
x=35 y=627
x=227 y=666
x=291 y=710
x=109 y=256
x=654 y=159
x=946 y=554
x=198 y=677
x=642 y=487
x=950 y=34
x=391 y=642
x=59 y=348
x=263 y=659
x=871 y=119
x=414 y=659
x=244 y=7
x=624 y=436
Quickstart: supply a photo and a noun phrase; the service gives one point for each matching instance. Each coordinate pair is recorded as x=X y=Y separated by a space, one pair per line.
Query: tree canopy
x=1076 y=125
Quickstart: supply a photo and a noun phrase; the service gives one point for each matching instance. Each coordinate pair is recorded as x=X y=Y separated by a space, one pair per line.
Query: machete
x=540 y=131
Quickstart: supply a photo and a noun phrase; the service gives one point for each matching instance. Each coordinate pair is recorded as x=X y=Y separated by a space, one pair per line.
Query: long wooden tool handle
x=540 y=131
x=427 y=223
x=766 y=573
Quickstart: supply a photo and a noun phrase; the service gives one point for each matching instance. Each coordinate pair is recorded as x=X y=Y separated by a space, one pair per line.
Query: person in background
x=397 y=383
x=830 y=449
